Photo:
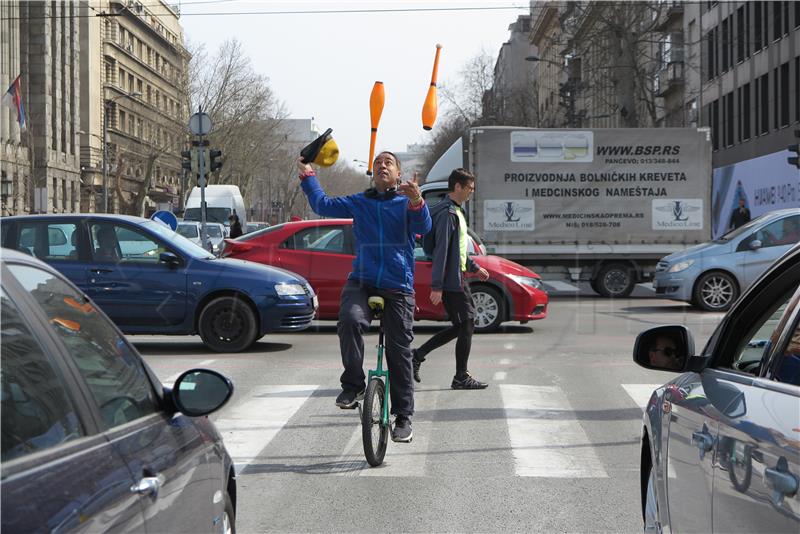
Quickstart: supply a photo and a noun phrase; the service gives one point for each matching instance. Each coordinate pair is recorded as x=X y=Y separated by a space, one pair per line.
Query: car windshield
x=177 y=240
x=187 y=230
x=217 y=215
x=736 y=232
x=214 y=230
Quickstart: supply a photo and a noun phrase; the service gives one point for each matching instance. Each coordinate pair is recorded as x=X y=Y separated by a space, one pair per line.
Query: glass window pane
x=110 y=367
x=36 y=411
x=788 y=369
x=114 y=243
x=757 y=343
x=783 y=232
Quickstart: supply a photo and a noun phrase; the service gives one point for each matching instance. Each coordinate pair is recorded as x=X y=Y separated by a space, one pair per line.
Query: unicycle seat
x=376 y=305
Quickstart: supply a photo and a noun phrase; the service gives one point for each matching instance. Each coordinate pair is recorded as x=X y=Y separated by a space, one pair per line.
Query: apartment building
x=133 y=86
x=749 y=95
x=40 y=165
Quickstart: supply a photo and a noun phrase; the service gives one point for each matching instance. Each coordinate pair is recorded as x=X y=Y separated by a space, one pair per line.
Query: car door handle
x=703 y=440
x=781 y=482
x=99 y=271
x=147 y=486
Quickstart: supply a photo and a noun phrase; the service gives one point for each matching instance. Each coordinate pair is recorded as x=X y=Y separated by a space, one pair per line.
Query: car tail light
x=235 y=247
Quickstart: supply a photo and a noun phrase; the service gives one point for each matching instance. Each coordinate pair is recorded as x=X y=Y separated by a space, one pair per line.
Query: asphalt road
x=551 y=446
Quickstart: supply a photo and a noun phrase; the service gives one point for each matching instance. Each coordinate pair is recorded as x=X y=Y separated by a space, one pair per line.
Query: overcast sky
x=324 y=65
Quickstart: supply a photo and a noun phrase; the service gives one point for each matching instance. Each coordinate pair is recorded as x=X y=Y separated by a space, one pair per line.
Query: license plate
x=315 y=300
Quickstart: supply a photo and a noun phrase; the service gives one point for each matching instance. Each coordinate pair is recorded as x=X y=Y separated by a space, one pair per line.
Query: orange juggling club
x=430 y=106
x=376 y=99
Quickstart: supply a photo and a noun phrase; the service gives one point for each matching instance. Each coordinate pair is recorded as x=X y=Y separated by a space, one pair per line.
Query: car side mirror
x=170 y=259
x=200 y=392
x=664 y=348
x=755 y=244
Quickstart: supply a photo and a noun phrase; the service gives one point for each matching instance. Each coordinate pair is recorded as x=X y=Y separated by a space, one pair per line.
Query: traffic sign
x=200 y=123
x=166 y=217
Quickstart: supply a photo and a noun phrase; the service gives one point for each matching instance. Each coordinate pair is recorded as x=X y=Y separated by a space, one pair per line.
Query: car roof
x=7 y=254
x=65 y=216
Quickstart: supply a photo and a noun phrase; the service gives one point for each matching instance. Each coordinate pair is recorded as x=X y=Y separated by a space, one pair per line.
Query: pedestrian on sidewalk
x=386 y=218
x=447 y=243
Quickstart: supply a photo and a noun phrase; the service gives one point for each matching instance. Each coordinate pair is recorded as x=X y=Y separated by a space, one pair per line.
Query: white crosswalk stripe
x=640 y=393
x=248 y=427
x=544 y=446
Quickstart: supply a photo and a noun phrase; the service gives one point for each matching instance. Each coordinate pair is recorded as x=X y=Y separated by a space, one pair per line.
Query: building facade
x=40 y=165
x=134 y=89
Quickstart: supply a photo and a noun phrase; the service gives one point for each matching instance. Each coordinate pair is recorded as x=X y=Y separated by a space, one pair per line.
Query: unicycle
x=375 y=415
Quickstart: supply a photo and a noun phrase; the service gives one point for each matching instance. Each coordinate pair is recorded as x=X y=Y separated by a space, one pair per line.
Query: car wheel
x=227 y=324
x=715 y=291
x=615 y=280
x=489 y=308
x=652 y=523
x=228 y=522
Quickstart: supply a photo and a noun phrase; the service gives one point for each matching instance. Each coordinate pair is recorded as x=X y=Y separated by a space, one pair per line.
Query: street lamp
x=106 y=107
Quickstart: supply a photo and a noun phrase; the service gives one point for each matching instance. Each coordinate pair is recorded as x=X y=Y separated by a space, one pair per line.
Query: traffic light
x=795 y=160
x=216 y=161
x=189 y=160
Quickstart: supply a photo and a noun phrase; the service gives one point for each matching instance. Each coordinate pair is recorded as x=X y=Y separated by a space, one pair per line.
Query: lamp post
x=106 y=107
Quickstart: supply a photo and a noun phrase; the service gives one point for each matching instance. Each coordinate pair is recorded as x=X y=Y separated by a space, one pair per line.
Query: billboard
x=767 y=183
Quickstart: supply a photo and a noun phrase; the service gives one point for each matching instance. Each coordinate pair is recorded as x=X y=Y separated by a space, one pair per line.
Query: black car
x=91 y=440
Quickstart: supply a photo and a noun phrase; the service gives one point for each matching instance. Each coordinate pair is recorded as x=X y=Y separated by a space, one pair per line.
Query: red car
x=322 y=252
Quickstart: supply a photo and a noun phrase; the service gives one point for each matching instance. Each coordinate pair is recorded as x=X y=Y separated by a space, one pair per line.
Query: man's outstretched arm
x=321 y=203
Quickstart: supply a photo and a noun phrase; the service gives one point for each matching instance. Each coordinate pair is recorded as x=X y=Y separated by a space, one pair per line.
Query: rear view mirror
x=755 y=244
x=169 y=258
x=201 y=391
x=664 y=348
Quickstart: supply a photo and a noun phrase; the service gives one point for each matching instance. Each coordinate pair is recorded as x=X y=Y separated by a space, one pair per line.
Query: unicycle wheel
x=374 y=433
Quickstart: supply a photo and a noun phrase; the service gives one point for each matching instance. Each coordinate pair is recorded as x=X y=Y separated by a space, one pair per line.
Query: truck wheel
x=227 y=324
x=715 y=291
x=615 y=280
x=489 y=309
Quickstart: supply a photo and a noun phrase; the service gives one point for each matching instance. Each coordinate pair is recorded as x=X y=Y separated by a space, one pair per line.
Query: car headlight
x=535 y=283
x=287 y=290
x=682 y=266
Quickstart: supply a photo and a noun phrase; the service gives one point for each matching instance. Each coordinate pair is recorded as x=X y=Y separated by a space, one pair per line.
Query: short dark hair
x=396 y=159
x=459 y=176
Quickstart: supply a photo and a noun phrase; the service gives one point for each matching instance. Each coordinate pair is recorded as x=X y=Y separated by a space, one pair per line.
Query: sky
x=324 y=65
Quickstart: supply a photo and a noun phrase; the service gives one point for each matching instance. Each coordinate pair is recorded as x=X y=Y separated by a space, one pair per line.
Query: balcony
x=668 y=78
x=669 y=13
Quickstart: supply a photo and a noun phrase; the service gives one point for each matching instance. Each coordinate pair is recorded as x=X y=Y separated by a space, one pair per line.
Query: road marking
x=546 y=439
x=205 y=363
x=557 y=285
x=640 y=393
x=249 y=427
x=505 y=361
x=508 y=346
x=647 y=285
x=500 y=375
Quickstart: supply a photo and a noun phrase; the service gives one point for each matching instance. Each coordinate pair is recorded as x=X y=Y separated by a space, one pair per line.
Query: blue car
x=150 y=280
x=714 y=274
x=91 y=440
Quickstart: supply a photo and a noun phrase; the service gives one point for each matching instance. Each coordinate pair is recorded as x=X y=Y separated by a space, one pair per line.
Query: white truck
x=221 y=201
x=596 y=205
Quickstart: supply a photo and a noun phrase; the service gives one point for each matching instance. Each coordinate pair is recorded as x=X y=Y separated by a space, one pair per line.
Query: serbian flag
x=13 y=99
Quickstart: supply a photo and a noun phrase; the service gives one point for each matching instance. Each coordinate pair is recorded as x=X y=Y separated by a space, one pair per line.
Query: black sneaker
x=417 y=363
x=467 y=382
x=348 y=399
x=401 y=432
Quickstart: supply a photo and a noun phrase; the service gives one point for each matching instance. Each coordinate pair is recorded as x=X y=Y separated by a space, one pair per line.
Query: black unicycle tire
x=374 y=434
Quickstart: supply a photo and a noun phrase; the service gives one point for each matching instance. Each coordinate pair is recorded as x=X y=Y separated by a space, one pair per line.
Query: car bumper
x=529 y=304
x=675 y=286
x=286 y=315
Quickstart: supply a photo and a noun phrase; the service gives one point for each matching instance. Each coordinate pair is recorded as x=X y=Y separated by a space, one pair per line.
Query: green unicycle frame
x=383 y=374
x=375 y=418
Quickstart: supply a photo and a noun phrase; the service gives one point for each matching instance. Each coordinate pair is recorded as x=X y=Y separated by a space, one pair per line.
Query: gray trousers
x=398 y=320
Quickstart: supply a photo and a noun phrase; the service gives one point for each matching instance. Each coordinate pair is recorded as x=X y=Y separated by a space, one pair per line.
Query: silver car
x=191 y=231
x=720 y=449
x=713 y=275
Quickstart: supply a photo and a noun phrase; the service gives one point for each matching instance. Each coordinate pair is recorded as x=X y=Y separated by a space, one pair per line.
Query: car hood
x=252 y=269
x=496 y=264
x=702 y=250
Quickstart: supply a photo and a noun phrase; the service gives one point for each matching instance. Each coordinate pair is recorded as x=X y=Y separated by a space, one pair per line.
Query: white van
x=221 y=202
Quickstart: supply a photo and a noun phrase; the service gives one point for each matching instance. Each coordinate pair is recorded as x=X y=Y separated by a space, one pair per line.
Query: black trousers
x=398 y=321
x=461 y=312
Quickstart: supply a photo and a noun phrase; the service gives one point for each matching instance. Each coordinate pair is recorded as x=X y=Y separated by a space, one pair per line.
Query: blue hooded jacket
x=384 y=227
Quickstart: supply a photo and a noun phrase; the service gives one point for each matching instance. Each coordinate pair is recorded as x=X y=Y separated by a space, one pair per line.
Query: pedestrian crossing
x=534 y=427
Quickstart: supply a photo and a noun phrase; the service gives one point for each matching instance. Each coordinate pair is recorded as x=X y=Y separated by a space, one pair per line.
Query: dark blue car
x=91 y=440
x=150 y=280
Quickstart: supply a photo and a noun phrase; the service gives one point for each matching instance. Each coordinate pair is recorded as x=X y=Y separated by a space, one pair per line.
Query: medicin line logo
x=508 y=215
x=678 y=214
